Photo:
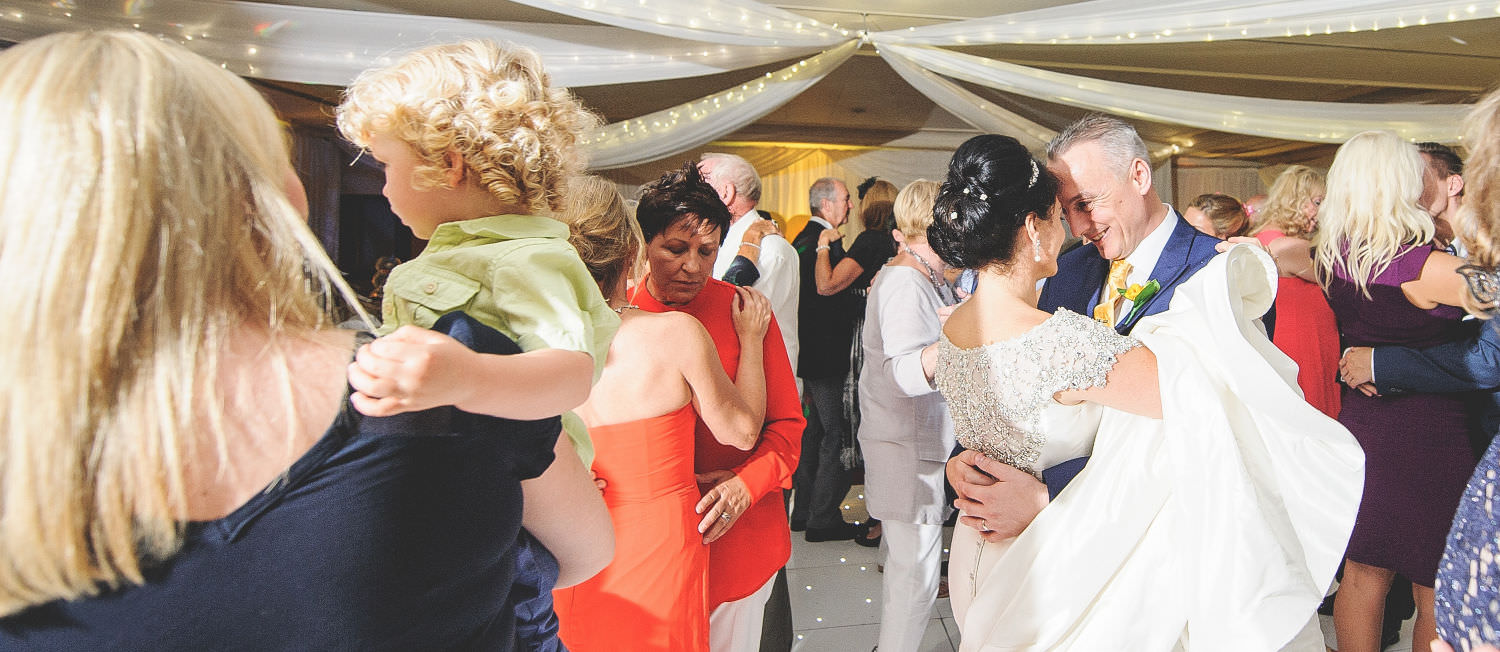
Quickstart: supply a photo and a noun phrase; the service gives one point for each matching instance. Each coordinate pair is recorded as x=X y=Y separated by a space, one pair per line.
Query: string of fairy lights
x=643 y=40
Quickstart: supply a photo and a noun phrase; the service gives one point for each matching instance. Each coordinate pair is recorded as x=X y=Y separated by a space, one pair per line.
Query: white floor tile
x=854 y=638
x=951 y=626
x=936 y=637
x=834 y=596
x=830 y=553
x=944 y=608
x=861 y=638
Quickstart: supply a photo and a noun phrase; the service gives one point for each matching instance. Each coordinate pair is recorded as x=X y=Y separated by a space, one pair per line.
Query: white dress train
x=1217 y=527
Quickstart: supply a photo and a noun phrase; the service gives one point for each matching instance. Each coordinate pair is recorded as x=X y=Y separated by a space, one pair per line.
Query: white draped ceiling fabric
x=1103 y=22
x=668 y=39
x=1322 y=122
x=331 y=46
x=705 y=119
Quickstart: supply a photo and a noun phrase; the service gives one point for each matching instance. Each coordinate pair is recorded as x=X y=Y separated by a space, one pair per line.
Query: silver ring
x=984 y=526
x=725 y=516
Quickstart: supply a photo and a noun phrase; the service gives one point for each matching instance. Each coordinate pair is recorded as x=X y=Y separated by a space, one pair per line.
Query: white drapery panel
x=688 y=125
x=738 y=22
x=332 y=46
x=970 y=108
x=1322 y=122
x=1130 y=21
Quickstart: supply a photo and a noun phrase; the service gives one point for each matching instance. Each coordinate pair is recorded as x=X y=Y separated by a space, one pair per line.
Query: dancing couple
x=1135 y=477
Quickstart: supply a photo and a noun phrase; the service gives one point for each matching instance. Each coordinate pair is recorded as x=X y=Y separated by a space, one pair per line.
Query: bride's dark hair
x=993 y=184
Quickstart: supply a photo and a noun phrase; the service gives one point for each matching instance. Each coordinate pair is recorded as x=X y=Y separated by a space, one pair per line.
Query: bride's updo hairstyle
x=993 y=184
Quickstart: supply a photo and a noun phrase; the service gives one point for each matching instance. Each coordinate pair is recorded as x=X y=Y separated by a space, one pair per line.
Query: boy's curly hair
x=492 y=104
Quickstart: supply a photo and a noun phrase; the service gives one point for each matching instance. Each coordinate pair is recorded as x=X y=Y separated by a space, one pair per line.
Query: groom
x=1104 y=185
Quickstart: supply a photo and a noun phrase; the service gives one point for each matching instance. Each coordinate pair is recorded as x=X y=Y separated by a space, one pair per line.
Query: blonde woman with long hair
x=1388 y=284
x=179 y=464
x=1305 y=328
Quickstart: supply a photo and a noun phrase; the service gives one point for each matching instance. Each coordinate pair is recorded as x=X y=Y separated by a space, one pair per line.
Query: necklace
x=932 y=276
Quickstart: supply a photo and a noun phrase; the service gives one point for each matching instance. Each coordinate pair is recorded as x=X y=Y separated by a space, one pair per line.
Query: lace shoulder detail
x=1083 y=350
x=996 y=392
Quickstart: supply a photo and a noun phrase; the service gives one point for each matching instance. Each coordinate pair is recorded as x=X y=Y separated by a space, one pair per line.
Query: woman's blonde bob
x=914 y=208
x=144 y=221
x=1370 y=211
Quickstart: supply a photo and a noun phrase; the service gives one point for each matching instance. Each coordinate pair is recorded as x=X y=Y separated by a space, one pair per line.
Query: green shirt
x=516 y=274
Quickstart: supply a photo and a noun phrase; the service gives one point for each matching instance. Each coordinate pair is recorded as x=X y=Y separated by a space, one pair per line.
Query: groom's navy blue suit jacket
x=1080 y=278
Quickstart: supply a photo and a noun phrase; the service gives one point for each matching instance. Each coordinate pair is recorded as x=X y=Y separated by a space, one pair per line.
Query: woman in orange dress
x=1305 y=329
x=661 y=375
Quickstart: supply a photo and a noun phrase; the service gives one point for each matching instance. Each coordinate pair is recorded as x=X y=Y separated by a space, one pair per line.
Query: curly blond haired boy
x=477 y=147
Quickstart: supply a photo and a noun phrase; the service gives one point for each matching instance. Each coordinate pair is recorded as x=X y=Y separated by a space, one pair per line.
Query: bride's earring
x=1036 y=249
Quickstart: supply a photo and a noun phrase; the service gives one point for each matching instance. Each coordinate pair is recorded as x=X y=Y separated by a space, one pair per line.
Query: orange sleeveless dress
x=654 y=595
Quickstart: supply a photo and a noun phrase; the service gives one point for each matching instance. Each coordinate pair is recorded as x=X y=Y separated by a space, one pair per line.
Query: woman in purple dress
x=1387 y=284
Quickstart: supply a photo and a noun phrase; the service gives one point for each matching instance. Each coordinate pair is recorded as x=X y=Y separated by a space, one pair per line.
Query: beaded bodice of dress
x=998 y=393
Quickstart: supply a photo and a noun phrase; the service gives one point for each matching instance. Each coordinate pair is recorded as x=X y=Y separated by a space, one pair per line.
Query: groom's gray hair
x=1119 y=140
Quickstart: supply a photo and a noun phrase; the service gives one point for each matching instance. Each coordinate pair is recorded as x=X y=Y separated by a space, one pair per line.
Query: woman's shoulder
x=658 y=323
x=972 y=338
x=1410 y=260
x=657 y=333
x=899 y=276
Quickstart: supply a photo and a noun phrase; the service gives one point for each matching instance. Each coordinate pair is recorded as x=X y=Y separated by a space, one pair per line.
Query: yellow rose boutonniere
x=1138 y=294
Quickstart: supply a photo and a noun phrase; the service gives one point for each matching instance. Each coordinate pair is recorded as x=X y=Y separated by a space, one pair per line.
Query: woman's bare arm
x=564 y=510
x=1440 y=283
x=1293 y=257
x=1131 y=386
x=734 y=411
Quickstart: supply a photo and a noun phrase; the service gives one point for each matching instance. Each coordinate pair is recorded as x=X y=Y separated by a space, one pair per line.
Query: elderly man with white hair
x=738 y=186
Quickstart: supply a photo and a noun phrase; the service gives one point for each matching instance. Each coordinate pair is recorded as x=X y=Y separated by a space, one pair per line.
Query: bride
x=1216 y=503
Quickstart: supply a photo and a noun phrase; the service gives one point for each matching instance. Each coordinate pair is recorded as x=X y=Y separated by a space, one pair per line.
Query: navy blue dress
x=392 y=533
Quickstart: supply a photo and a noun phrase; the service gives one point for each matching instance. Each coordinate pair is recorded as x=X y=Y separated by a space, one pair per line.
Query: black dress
x=389 y=533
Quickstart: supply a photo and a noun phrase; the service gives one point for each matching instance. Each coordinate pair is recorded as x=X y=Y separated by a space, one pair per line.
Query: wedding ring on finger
x=984 y=526
x=725 y=516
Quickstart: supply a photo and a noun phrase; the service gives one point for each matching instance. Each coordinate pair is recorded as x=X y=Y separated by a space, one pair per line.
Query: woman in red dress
x=661 y=376
x=1305 y=329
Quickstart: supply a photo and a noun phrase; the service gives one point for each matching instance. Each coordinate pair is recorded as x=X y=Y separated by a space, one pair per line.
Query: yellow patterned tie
x=1119 y=270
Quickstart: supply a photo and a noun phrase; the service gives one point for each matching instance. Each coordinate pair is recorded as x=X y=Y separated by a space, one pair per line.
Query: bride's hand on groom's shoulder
x=998 y=500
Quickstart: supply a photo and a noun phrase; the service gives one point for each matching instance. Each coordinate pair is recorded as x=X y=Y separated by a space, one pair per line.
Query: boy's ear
x=454 y=174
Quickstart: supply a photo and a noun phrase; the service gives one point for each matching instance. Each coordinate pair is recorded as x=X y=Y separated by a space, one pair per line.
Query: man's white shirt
x=1147 y=253
x=780 y=277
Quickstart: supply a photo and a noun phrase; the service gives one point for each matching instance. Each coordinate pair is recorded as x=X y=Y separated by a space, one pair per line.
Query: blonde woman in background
x=1305 y=328
x=180 y=467
x=907 y=434
x=1388 y=284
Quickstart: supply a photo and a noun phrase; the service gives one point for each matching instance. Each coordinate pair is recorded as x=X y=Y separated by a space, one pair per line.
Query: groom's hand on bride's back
x=998 y=500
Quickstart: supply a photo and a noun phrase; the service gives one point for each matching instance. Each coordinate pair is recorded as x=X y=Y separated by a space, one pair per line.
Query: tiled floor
x=835 y=592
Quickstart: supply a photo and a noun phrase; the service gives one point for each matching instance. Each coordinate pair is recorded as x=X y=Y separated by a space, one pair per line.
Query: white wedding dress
x=1217 y=527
